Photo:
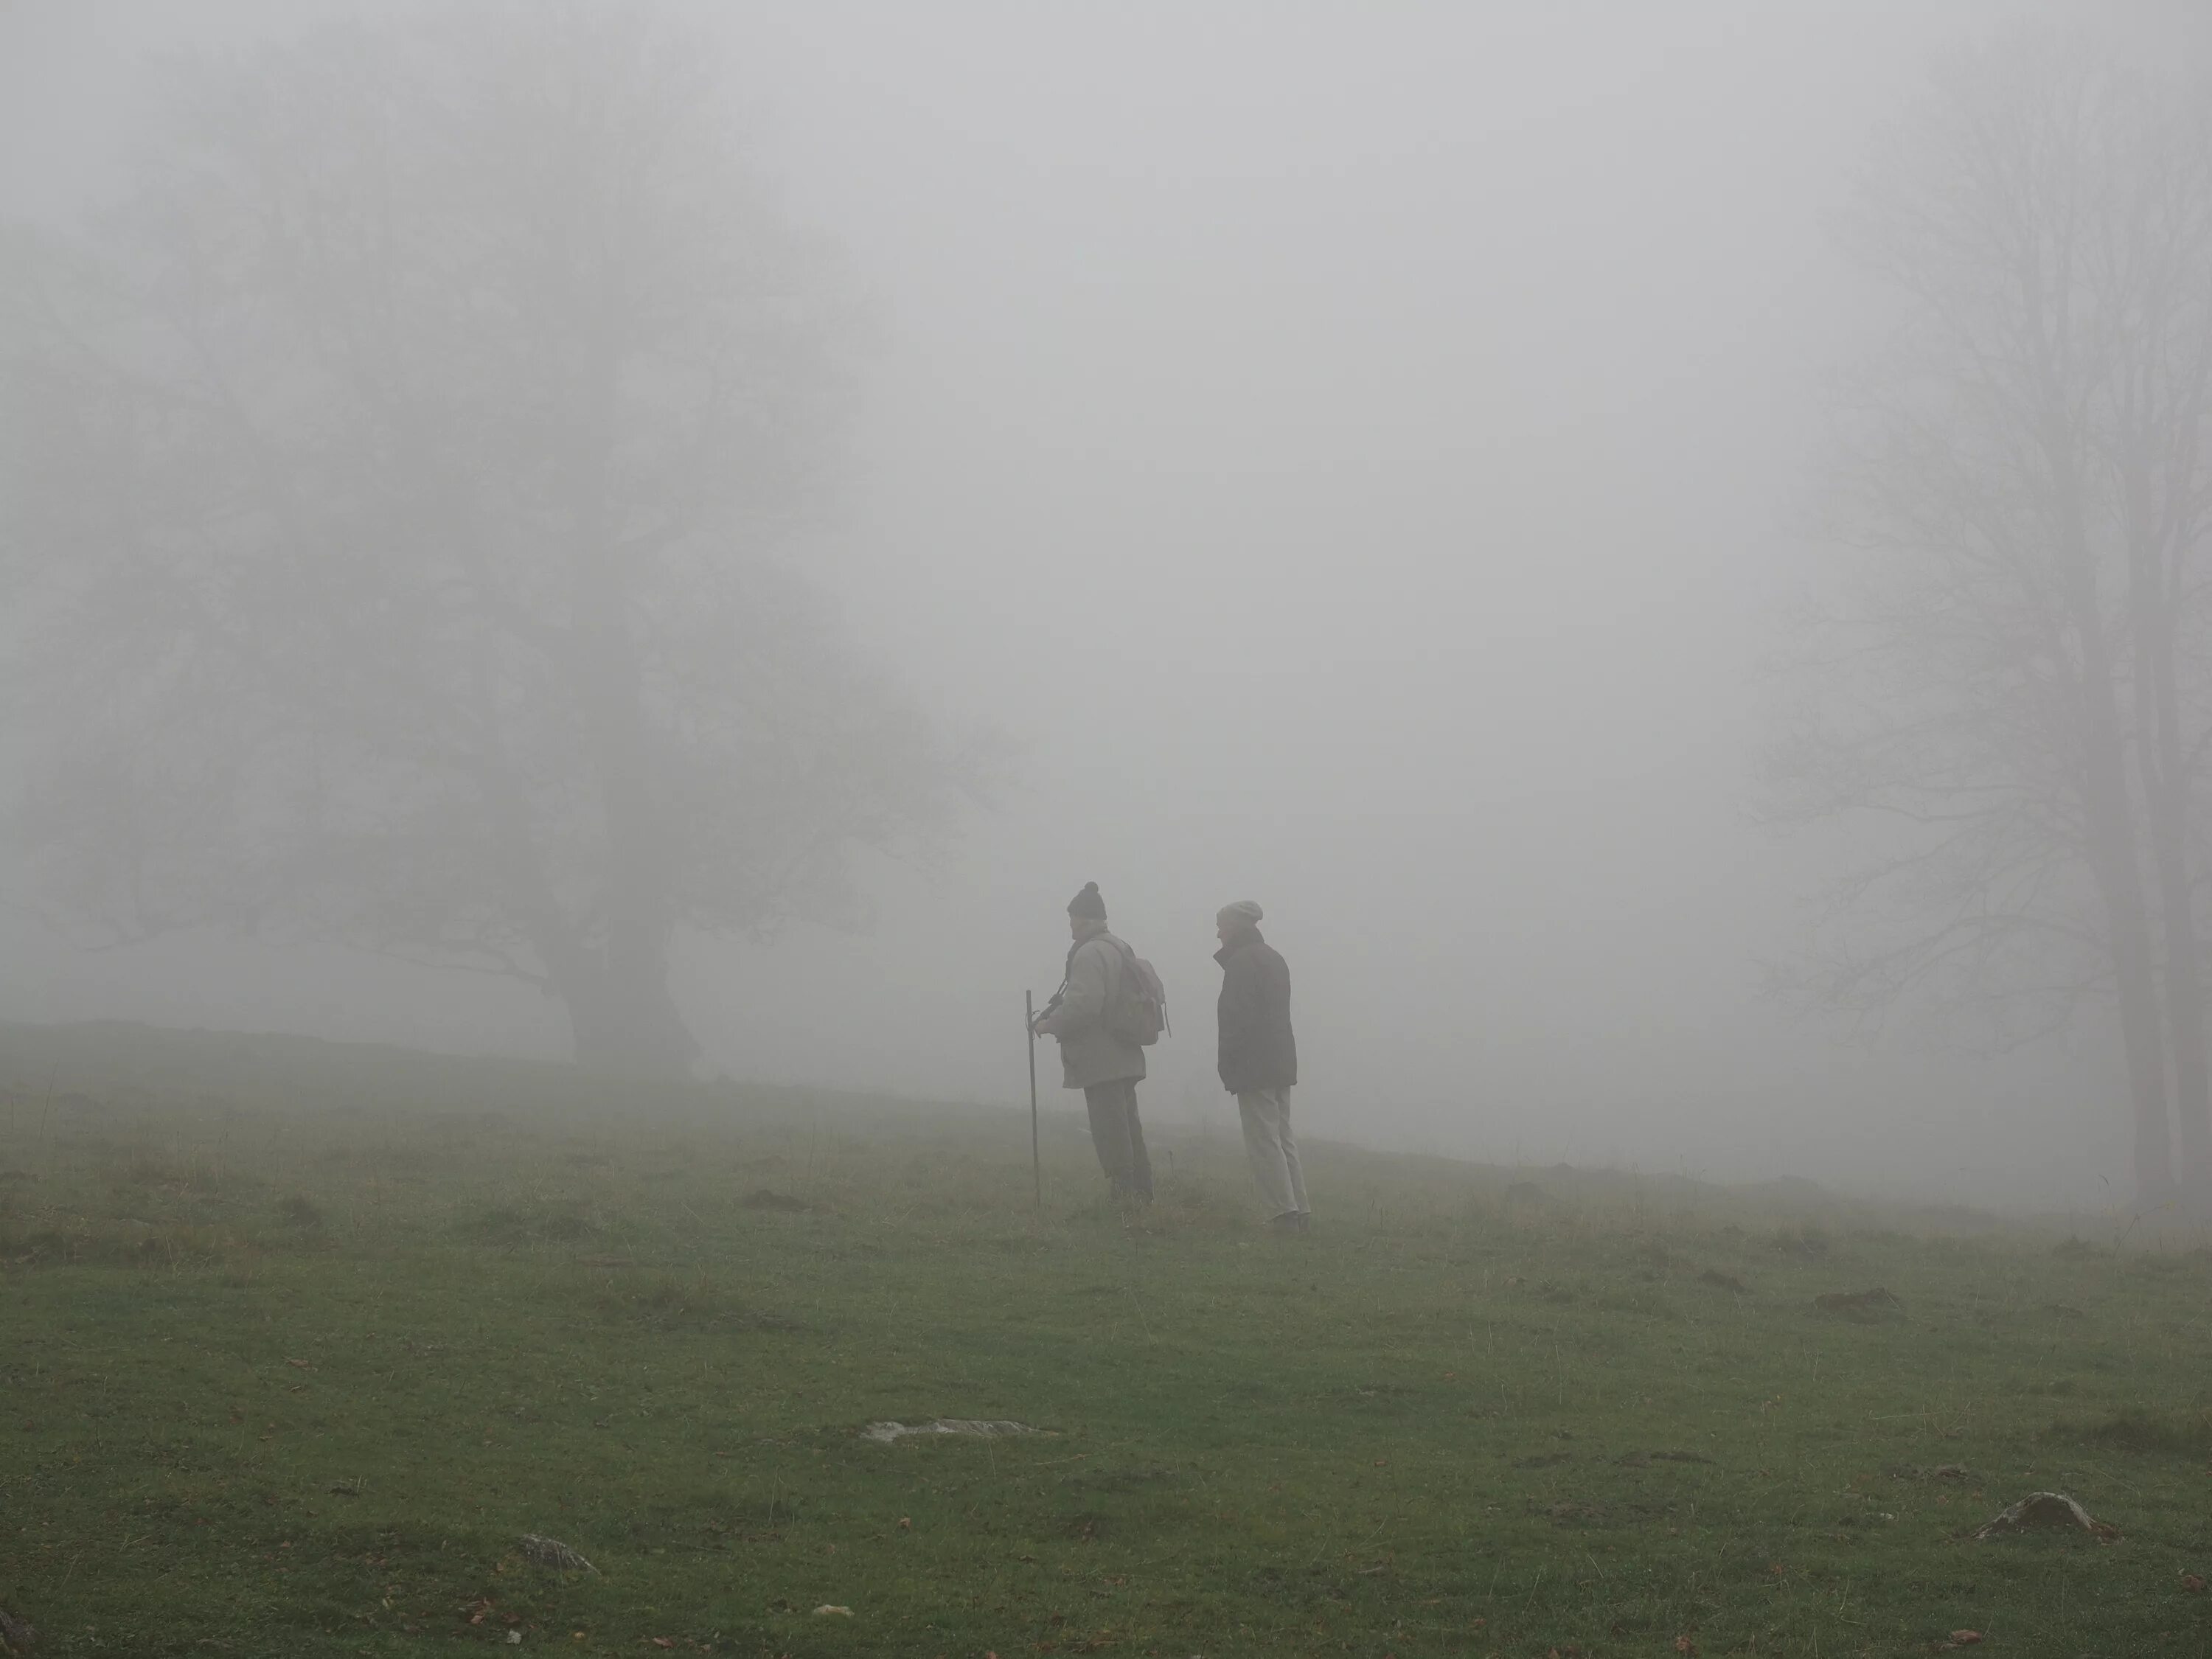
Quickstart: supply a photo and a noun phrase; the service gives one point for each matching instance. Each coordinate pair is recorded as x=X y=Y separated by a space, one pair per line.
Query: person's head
x=1085 y=908
x=1241 y=917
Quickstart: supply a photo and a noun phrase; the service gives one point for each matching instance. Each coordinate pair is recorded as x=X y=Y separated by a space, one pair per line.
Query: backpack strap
x=1068 y=969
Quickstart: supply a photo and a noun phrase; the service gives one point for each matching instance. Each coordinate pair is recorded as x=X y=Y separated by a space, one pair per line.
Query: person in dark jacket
x=1260 y=1059
x=1095 y=1057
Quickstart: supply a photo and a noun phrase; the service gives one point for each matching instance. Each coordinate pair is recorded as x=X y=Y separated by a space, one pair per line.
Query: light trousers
x=1273 y=1151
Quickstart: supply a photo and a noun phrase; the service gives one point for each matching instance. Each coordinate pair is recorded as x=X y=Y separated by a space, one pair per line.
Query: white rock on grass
x=2045 y=1510
x=552 y=1552
x=888 y=1432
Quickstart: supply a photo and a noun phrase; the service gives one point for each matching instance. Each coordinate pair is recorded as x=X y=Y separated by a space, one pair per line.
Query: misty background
x=1357 y=451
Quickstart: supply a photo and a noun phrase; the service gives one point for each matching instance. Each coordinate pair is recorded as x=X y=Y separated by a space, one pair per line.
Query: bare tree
x=402 y=488
x=2011 y=673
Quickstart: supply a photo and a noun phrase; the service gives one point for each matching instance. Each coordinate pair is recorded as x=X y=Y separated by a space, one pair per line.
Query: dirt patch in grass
x=300 y=1214
x=765 y=1198
x=117 y=1242
x=514 y=1225
x=674 y=1301
x=2133 y=1429
x=1864 y=1305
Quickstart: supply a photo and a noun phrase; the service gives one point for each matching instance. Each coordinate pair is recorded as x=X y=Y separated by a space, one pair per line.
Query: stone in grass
x=888 y=1432
x=552 y=1552
x=16 y=1636
x=2044 y=1511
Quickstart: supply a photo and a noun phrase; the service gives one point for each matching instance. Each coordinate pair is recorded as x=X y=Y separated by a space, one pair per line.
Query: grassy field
x=297 y=1341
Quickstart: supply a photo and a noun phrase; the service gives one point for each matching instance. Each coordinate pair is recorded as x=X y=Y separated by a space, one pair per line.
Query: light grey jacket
x=1089 y=1053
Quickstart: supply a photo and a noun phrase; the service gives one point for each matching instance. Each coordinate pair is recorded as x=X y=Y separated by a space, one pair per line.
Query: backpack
x=1141 y=1013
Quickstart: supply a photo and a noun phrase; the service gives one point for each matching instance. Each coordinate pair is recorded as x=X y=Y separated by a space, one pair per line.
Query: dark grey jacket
x=1257 y=1049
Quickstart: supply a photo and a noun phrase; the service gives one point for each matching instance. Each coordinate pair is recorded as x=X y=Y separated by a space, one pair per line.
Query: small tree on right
x=2012 y=665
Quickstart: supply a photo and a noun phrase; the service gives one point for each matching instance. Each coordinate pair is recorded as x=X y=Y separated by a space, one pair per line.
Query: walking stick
x=1037 y=1163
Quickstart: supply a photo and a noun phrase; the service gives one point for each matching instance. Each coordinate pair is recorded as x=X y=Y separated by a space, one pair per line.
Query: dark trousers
x=1120 y=1138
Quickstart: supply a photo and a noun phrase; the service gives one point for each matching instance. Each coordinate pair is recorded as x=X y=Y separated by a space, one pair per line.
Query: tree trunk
x=621 y=1012
x=2141 y=1030
x=2110 y=812
x=2185 y=999
x=2165 y=790
x=622 y=1016
x=2108 y=809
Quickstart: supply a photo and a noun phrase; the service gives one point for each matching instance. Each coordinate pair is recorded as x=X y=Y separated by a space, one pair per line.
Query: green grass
x=297 y=1340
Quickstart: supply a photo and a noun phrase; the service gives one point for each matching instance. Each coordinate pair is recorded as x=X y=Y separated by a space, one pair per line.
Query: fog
x=1356 y=454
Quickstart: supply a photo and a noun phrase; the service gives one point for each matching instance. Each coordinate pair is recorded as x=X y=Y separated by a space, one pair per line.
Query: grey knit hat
x=1088 y=903
x=1245 y=912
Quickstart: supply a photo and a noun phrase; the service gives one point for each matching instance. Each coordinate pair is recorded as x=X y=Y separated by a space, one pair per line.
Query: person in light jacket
x=1094 y=1058
x=1260 y=1059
